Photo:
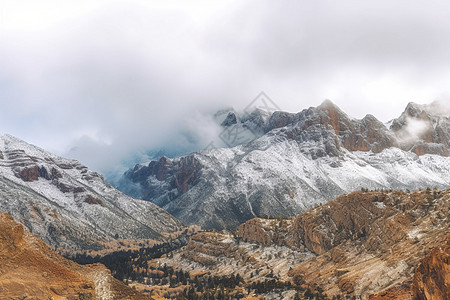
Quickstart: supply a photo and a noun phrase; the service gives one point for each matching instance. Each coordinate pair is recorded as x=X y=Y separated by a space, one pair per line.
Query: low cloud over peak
x=98 y=80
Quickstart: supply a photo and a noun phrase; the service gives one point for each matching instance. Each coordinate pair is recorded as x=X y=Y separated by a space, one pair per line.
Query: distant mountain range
x=69 y=206
x=295 y=162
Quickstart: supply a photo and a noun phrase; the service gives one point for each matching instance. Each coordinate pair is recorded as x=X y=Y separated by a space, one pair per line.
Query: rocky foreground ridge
x=30 y=270
x=68 y=206
x=375 y=245
x=299 y=160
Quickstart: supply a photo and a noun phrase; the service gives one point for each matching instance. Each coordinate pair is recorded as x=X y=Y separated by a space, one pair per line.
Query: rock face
x=424 y=129
x=69 y=206
x=432 y=277
x=178 y=174
x=352 y=217
x=267 y=232
x=30 y=270
x=229 y=120
x=298 y=161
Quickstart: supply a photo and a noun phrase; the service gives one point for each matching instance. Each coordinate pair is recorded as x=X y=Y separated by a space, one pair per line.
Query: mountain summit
x=301 y=160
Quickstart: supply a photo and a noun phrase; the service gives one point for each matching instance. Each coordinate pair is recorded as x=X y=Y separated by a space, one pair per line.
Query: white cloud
x=105 y=78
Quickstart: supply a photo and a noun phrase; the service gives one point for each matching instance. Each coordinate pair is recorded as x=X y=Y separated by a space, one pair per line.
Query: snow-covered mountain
x=300 y=160
x=69 y=206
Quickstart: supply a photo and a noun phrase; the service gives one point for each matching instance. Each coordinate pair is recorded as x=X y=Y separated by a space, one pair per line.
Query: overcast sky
x=99 y=80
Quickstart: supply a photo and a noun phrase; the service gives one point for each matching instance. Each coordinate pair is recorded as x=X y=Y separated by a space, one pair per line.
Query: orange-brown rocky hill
x=361 y=244
x=366 y=242
x=30 y=270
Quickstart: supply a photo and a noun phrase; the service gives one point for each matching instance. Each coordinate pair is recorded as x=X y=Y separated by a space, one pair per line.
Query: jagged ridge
x=301 y=160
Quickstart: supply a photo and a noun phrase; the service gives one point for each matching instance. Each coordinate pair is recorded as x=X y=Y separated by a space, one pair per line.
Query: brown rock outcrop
x=206 y=247
x=266 y=231
x=33 y=173
x=431 y=279
x=432 y=276
x=421 y=148
x=29 y=174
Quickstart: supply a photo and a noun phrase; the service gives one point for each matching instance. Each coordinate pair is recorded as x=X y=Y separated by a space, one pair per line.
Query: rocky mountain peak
x=415 y=110
x=328 y=104
x=280 y=119
x=423 y=129
x=434 y=109
x=339 y=120
x=230 y=119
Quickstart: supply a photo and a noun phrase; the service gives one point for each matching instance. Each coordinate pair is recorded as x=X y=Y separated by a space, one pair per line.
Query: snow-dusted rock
x=302 y=160
x=67 y=205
